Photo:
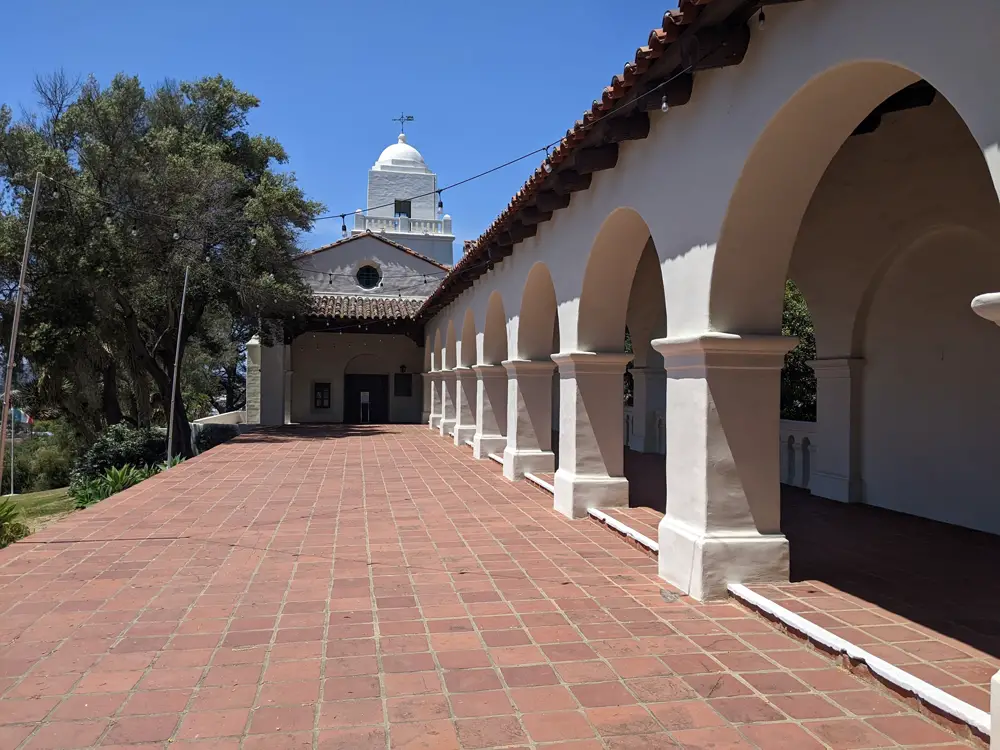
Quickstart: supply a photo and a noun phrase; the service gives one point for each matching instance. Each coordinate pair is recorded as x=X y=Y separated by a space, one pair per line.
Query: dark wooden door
x=377 y=387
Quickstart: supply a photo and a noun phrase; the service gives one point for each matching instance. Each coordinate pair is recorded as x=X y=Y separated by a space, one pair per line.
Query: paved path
x=379 y=588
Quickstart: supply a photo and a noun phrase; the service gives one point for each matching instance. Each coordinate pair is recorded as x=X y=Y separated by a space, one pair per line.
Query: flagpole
x=17 y=319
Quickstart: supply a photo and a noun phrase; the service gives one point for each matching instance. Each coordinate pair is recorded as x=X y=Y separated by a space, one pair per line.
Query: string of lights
x=544 y=149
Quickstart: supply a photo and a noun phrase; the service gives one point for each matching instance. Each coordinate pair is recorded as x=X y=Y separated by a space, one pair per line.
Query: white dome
x=401 y=156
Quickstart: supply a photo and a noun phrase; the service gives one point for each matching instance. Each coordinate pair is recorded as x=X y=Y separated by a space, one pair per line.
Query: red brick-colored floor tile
x=623 y=720
x=780 y=737
x=495 y=731
x=324 y=587
x=417 y=708
x=361 y=738
x=66 y=735
x=848 y=734
x=138 y=729
x=602 y=694
x=561 y=725
x=203 y=724
x=910 y=730
x=424 y=735
x=492 y=703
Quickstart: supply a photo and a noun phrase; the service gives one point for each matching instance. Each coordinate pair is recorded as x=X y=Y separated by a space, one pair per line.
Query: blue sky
x=486 y=82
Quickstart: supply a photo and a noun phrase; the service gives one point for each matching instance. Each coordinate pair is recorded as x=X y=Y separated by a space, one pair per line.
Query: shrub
x=115 y=480
x=12 y=527
x=211 y=435
x=50 y=468
x=118 y=446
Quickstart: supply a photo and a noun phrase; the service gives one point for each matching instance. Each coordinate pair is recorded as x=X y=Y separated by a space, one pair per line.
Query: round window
x=368 y=277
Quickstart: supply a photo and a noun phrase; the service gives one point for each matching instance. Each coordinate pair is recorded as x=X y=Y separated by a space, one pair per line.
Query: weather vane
x=402 y=120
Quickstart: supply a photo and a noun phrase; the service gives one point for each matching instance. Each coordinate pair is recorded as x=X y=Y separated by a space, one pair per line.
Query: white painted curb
x=628 y=531
x=931 y=695
x=540 y=482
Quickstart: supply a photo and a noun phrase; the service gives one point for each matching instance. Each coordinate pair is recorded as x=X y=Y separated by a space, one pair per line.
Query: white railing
x=797 y=446
x=364 y=223
x=229 y=417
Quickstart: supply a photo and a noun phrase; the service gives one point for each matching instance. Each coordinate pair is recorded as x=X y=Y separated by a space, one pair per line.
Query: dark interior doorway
x=377 y=388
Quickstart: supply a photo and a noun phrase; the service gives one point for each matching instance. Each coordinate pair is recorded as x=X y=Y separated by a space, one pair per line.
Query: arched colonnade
x=845 y=152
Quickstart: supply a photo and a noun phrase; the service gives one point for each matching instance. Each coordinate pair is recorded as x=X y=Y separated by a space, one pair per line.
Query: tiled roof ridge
x=365 y=307
x=379 y=237
x=677 y=24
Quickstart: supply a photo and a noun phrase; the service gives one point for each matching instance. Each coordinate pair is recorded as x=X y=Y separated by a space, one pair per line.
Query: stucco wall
x=440 y=247
x=334 y=271
x=385 y=187
x=892 y=249
x=323 y=357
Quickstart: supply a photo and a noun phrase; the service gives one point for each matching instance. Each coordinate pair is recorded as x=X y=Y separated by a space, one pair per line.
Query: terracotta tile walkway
x=377 y=587
x=920 y=594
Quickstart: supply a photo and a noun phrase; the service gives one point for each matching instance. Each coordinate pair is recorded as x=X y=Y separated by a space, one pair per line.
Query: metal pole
x=177 y=360
x=11 y=359
x=12 y=454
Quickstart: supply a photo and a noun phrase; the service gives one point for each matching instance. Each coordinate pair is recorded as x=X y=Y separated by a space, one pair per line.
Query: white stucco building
x=851 y=147
x=358 y=356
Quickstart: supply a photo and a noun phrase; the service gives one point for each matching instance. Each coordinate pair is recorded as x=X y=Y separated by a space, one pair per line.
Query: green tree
x=144 y=184
x=798 y=382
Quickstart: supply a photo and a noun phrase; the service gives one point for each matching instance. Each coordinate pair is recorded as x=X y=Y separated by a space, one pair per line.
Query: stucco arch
x=538 y=317
x=367 y=364
x=467 y=344
x=777 y=182
x=494 y=332
x=607 y=282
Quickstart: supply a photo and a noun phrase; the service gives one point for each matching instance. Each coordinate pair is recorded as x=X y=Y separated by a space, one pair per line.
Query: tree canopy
x=140 y=184
x=798 y=381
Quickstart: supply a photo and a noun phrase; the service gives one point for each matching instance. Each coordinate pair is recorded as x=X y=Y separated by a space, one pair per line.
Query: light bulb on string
x=55 y=194
x=761 y=19
x=343 y=224
x=547 y=164
x=440 y=204
x=253 y=242
x=134 y=232
x=177 y=235
x=664 y=106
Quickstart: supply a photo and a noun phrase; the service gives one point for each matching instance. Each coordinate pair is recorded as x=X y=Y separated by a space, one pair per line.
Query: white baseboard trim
x=622 y=528
x=497 y=457
x=933 y=696
x=540 y=482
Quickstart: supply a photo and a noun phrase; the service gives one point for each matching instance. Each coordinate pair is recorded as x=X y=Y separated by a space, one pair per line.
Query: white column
x=591 y=400
x=465 y=403
x=649 y=396
x=723 y=519
x=288 y=384
x=491 y=410
x=447 y=423
x=529 y=418
x=426 y=397
x=836 y=473
x=253 y=381
x=995 y=712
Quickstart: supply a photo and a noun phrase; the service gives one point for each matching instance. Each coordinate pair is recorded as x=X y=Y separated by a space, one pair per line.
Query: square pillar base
x=446 y=427
x=435 y=422
x=703 y=566
x=463 y=432
x=517 y=462
x=484 y=445
x=575 y=493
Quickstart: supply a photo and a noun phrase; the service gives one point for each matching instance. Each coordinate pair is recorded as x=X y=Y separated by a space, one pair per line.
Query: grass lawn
x=40 y=507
